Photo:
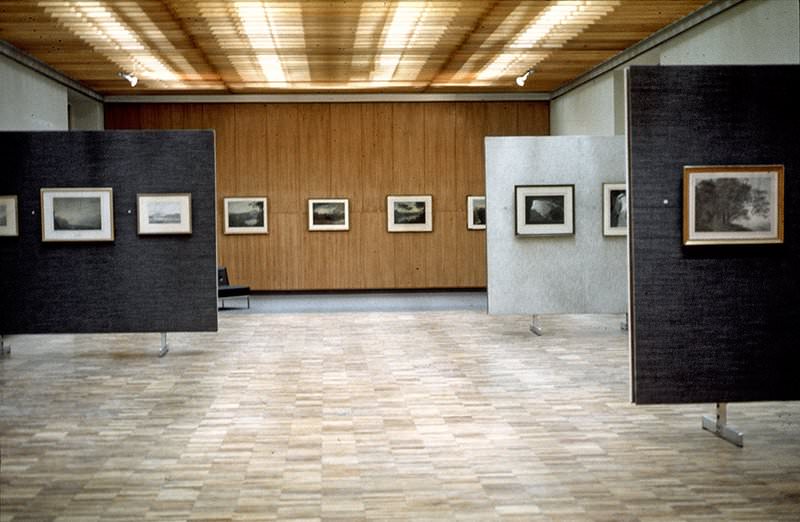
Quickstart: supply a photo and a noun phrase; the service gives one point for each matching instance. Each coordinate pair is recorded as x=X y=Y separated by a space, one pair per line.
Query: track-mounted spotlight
x=522 y=78
x=132 y=79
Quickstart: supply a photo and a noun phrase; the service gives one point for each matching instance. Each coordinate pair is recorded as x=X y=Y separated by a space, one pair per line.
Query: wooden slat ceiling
x=249 y=46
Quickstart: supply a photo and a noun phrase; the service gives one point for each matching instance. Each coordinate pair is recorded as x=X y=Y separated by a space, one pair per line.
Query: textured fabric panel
x=133 y=284
x=711 y=324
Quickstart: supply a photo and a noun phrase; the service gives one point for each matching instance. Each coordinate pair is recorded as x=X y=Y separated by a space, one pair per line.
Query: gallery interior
x=528 y=260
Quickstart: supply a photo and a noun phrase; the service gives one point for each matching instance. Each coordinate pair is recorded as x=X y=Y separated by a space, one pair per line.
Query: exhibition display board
x=713 y=152
x=549 y=268
x=82 y=258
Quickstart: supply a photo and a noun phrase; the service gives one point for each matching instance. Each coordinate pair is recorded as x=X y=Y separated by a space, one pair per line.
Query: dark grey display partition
x=711 y=324
x=159 y=283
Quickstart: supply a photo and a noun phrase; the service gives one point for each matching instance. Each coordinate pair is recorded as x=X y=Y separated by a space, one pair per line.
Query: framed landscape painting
x=545 y=210
x=164 y=213
x=409 y=213
x=8 y=216
x=727 y=205
x=615 y=209
x=476 y=212
x=328 y=214
x=245 y=215
x=77 y=214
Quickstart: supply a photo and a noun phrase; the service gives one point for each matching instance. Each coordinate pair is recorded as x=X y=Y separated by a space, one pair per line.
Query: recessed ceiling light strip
x=153 y=35
x=221 y=20
x=370 y=18
x=288 y=33
x=96 y=23
x=396 y=38
x=256 y=26
x=556 y=25
x=433 y=24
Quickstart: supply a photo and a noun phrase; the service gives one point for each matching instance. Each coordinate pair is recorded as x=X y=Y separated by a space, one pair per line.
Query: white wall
x=754 y=32
x=585 y=110
x=30 y=101
x=86 y=113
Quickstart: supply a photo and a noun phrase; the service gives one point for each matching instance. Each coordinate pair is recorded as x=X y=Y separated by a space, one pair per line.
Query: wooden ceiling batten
x=316 y=46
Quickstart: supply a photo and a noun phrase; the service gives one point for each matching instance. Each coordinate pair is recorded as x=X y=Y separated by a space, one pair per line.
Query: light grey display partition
x=135 y=283
x=580 y=273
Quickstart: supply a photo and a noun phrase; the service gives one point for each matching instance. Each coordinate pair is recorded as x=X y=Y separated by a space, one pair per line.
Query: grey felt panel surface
x=580 y=273
x=711 y=324
x=134 y=284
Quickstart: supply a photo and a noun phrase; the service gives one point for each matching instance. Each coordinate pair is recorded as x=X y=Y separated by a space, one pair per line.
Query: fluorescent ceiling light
x=556 y=25
x=554 y=15
x=258 y=30
x=396 y=38
x=96 y=23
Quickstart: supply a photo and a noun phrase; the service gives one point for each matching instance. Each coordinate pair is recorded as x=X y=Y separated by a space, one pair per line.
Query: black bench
x=226 y=290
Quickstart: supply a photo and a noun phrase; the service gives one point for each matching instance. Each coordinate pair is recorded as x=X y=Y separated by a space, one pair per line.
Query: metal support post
x=164 y=347
x=718 y=425
x=624 y=324
x=4 y=348
x=535 y=328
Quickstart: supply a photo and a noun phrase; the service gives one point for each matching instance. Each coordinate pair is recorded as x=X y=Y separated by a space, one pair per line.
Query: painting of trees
x=730 y=204
x=733 y=204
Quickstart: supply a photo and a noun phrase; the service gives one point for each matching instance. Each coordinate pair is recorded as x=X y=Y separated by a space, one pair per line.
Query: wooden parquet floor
x=372 y=416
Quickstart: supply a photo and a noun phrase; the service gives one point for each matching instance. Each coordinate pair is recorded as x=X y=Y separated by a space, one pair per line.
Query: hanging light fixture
x=522 y=78
x=132 y=79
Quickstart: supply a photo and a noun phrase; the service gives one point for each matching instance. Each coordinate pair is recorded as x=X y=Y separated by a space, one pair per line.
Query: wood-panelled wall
x=360 y=151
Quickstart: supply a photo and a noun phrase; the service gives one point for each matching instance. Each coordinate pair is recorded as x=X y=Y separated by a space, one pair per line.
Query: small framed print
x=409 y=213
x=164 y=213
x=328 y=214
x=729 y=205
x=615 y=209
x=8 y=216
x=77 y=214
x=244 y=215
x=476 y=212
x=545 y=210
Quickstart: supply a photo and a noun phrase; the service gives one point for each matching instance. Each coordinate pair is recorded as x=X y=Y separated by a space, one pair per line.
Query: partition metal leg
x=164 y=347
x=718 y=425
x=535 y=328
x=5 y=349
x=624 y=324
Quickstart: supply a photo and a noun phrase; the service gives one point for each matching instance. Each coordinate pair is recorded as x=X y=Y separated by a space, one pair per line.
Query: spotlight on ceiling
x=132 y=79
x=522 y=78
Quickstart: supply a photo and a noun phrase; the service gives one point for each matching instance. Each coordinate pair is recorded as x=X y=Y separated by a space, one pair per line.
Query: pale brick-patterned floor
x=372 y=416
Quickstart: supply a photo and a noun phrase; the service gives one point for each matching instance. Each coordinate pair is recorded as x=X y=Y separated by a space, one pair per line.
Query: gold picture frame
x=733 y=204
